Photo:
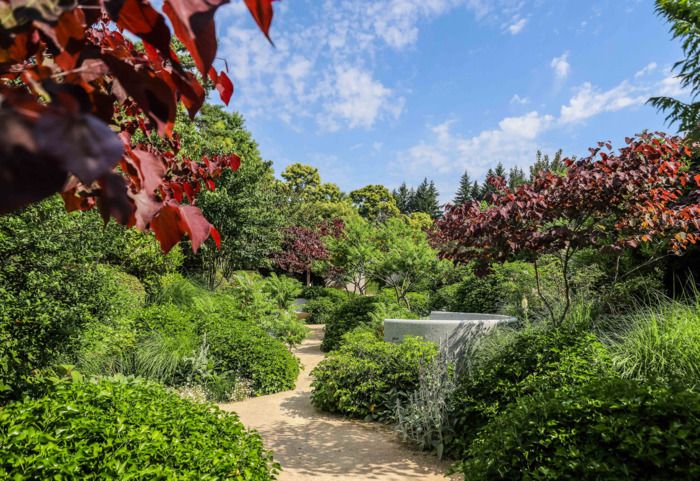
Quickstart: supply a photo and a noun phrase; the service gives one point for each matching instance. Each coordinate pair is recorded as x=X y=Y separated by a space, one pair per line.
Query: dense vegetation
x=114 y=341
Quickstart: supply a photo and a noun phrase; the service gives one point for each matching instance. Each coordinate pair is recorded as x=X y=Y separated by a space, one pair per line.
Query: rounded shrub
x=320 y=309
x=521 y=363
x=354 y=312
x=248 y=352
x=608 y=430
x=366 y=376
x=126 y=429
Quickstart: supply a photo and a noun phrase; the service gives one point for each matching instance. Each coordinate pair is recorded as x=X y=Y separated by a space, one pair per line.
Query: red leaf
x=193 y=222
x=210 y=184
x=166 y=227
x=141 y=19
x=193 y=22
x=216 y=236
x=697 y=179
x=114 y=201
x=151 y=93
x=146 y=207
x=26 y=175
x=225 y=87
x=87 y=147
x=262 y=13
x=151 y=169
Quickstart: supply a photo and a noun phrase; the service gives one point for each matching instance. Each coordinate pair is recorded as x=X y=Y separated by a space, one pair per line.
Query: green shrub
x=126 y=429
x=107 y=348
x=285 y=326
x=249 y=353
x=166 y=318
x=660 y=343
x=320 y=309
x=282 y=290
x=607 y=430
x=178 y=290
x=522 y=363
x=354 y=312
x=419 y=302
x=478 y=294
x=366 y=377
x=312 y=292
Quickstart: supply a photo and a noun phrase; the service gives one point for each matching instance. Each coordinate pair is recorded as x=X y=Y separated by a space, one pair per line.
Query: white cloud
x=517 y=26
x=309 y=73
x=518 y=100
x=444 y=154
x=358 y=99
x=646 y=70
x=512 y=143
x=590 y=101
x=561 y=66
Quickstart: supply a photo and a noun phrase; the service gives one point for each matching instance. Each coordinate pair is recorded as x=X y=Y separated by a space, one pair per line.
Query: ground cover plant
x=126 y=429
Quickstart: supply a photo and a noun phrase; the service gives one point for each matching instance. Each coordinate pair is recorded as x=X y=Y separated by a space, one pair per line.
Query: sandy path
x=311 y=445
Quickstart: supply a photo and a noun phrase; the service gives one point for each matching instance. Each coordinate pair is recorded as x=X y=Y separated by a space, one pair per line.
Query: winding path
x=311 y=445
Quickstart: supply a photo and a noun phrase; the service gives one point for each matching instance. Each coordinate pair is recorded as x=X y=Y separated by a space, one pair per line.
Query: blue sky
x=382 y=91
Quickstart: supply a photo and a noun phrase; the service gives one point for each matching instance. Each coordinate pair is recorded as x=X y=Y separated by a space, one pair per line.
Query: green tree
x=426 y=199
x=404 y=198
x=464 y=193
x=684 y=16
x=516 y=177
x=476 y=191
x=543 y=163
x=375 y=203
x=302 y=181
x=355 y=253
x=405 y=260
x=244 y=207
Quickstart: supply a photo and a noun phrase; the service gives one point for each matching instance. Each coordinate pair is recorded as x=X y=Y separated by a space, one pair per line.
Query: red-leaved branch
x=74 y=91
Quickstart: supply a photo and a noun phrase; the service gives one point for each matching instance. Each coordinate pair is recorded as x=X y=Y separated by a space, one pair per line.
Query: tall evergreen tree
x=404 y=198
x=464 y=193
x=544 y=164
x=516 y=177
x=426 y=199
x=486 y=188
x=476 y=191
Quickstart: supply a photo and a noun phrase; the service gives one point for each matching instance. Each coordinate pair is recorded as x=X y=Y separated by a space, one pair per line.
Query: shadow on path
x=311 y=445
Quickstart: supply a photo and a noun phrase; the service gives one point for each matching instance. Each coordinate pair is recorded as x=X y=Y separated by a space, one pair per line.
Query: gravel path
x=311 y=445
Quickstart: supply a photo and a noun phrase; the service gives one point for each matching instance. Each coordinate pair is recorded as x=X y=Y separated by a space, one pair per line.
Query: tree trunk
x=308 y=277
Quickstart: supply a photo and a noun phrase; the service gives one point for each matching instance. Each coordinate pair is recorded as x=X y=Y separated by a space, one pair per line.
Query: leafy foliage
x=53 y=285
x=374 y=202
x=366 y=376
x=245 y=204
x=642 y=195
x=684 y=17
x=603 y=430
x=526 y=362
x=126 y=429
x=246 y=351
x=57 y=136
x=354 y=312
x=301 y=247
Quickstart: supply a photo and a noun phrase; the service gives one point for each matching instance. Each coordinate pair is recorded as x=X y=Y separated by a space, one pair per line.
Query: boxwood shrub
x=608 y=430
x=126 y=429
x=248 y=352
x=366 y=376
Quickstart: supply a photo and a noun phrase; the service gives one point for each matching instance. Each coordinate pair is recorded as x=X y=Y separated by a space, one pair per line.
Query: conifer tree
x=464 y=193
